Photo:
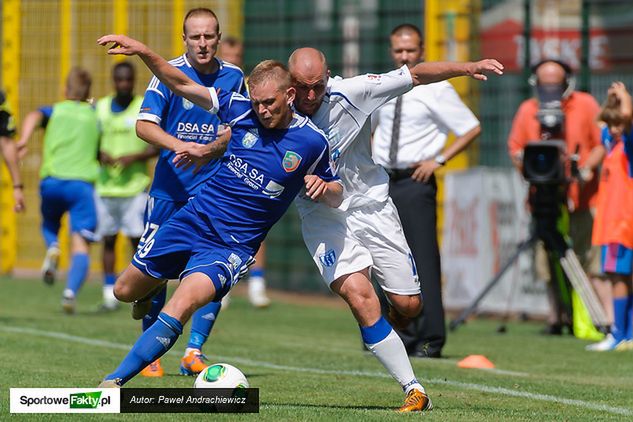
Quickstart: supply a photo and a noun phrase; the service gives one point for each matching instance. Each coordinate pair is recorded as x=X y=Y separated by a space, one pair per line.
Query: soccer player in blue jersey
x=166 y=121
x=210 y=242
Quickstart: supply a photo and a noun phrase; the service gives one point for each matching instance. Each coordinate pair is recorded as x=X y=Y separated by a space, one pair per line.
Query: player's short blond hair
x=270 y=70
x=200 y=11
x=78 y=84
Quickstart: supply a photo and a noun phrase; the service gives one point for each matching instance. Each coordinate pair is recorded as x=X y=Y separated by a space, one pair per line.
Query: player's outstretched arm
x=330 y=193
x=32 y=121
x=429 y=72
x=173 y=78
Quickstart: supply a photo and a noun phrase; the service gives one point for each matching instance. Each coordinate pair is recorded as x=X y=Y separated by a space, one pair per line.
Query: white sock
x=392 y=354
x=191 y=349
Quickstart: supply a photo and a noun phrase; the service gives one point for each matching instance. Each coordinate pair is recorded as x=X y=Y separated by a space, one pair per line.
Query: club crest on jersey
x=291 y=161
x=250 y=138
x=186 y=104
x=328 y=258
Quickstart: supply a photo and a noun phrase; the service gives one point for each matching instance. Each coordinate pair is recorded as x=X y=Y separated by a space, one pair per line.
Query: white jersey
x=344 y=117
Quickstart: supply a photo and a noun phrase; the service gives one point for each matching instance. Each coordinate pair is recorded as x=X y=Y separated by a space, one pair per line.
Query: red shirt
x=581 y=129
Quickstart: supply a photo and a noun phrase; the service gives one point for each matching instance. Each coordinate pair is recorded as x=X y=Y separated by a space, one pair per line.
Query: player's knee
x=123 y=291
x=408 y=306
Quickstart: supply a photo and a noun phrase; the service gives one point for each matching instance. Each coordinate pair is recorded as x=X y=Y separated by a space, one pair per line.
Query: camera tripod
x=546 y=210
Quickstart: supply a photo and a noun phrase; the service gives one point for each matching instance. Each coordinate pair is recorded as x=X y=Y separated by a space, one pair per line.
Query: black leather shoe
x=426 y=352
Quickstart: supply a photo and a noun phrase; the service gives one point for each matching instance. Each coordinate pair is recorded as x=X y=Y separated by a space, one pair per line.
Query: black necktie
x=395 y=134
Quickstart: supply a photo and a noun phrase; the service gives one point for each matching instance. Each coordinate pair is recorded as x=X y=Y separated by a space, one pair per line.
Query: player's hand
x=122 y=44
x=618 y=89
x=18 y=199
x=191 y=154
x=424 y=170
x=478 y=70
x=315 y=187
x=125 y=161
x=106 y=159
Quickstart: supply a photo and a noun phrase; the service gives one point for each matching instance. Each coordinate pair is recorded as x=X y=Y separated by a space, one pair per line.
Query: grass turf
x=308 y=364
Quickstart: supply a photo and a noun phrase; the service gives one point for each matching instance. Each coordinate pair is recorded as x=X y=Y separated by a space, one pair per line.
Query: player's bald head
x=308 y=62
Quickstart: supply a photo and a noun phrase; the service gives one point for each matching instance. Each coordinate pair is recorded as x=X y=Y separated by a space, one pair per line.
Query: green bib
x=118 y=138
x=71 y=142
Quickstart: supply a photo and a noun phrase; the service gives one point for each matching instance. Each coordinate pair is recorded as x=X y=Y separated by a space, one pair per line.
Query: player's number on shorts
x=147 y=240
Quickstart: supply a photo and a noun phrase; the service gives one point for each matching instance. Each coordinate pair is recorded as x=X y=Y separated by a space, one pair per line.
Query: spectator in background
x=124 y=178
x=409 y=140
x=10 y=153
x=69 y=170
x=232 y=51
x=613 y=226
x=581 y=135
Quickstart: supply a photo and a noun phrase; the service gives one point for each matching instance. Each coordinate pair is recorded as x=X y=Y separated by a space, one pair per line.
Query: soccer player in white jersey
x=364 y=234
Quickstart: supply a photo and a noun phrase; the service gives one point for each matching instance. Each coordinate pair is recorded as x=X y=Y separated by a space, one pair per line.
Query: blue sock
x=377 y=332
x=257 y=272
x=202 y=324
x=109 y=279
x=157 y=305
x=620 y=314
x=151 y=345
x=78 y=272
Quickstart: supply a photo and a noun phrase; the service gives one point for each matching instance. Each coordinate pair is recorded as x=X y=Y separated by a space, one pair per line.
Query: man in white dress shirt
x=409 y=142
x=364 y=234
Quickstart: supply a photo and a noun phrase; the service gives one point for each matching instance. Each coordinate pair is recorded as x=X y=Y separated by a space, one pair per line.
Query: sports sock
x=157 y=305
x=620 y=314
x=257 y=272
x=78 y=271
x=385 y=344
x=151 y=345
x=109 y=279
x=202 y=324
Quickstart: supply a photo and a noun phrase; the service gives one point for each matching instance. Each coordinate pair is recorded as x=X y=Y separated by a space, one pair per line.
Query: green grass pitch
x=306 y=359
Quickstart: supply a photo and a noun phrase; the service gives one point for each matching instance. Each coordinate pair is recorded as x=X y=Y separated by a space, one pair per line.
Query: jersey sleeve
x=449 y=109
x=155 y=102
x=7 y=127
x=47 y=112
x=323 y=167
x=230 y=107
x=370 y=91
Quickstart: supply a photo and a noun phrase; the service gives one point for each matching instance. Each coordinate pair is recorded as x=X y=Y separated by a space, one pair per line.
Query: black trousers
x=417 y=206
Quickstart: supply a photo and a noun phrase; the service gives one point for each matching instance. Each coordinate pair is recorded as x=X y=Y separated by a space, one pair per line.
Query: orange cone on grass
x=475 y=361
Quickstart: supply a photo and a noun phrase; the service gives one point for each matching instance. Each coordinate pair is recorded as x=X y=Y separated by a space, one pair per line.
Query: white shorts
x=121 y=214
x=346 y=242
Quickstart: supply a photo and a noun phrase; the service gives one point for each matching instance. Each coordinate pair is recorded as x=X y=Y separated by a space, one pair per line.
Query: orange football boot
x=153 y=369
x=416 y=401
x=193 y=363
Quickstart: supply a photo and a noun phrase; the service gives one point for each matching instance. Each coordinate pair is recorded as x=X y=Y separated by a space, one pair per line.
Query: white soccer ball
x=221 y=375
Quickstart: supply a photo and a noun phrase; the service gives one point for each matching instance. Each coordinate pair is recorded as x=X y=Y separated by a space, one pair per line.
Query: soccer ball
x=221 y=375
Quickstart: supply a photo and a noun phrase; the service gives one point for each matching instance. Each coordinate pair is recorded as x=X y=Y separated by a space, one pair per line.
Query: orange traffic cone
x=475 y=361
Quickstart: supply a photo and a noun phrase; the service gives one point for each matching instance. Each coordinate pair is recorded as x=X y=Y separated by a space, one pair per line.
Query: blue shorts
x=75 y=196
x=616 y=259
x=158 y=211
x=185 y=245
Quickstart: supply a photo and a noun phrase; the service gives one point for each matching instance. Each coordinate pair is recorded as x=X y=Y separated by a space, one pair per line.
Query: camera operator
x=559 y=112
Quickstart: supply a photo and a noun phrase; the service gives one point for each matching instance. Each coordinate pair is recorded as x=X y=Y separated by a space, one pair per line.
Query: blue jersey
x=260 y=174
x=187 y=122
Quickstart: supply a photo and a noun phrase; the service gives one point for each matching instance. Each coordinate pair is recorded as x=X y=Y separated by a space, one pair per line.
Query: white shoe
x=68 y=302
x=110 y=302
x=609 y=343
x=257 y=292
x=226 y=301
x=49 y=266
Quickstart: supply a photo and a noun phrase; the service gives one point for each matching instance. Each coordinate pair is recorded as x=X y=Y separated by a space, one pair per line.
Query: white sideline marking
x=468 y=386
